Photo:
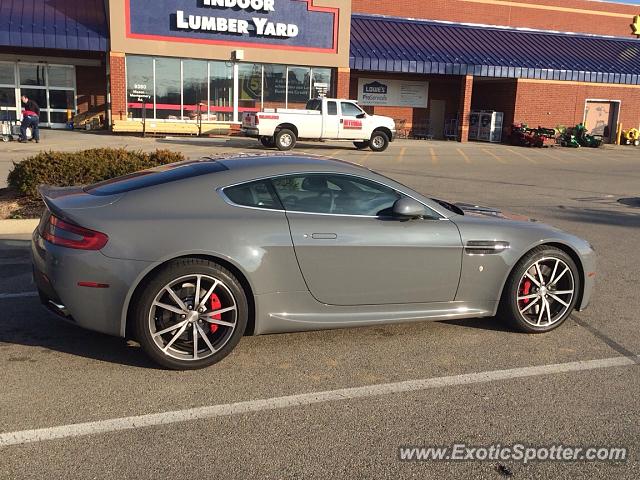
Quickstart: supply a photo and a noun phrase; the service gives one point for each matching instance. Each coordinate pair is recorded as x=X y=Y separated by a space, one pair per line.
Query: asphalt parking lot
x=460 y=383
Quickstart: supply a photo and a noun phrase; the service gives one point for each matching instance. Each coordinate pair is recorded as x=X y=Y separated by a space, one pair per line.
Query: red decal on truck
x=352 y=125
x=269 y=117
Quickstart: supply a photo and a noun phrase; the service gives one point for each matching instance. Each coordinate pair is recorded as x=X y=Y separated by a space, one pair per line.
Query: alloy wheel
x=193 y=317
x=545 y=292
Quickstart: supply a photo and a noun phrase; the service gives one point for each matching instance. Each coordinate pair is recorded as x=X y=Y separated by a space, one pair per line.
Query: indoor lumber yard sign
x=284 y=24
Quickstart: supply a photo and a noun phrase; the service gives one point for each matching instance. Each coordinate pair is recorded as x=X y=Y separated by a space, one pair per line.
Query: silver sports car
x=189 y=257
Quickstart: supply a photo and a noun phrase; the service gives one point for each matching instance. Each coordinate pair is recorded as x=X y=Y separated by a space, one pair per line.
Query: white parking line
x=18 y=295
x=224 y=410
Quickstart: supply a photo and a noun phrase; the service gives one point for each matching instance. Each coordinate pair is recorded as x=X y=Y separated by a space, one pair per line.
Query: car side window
x=255 y=194
x=335 y=194
x=332 y=108
x=350 y=110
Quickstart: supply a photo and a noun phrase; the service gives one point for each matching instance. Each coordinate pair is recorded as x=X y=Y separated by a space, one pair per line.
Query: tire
x=285 y=140
x=361 y=145
x=379 y=141
x=267 y=142
x=522 y=299
x=175 y=350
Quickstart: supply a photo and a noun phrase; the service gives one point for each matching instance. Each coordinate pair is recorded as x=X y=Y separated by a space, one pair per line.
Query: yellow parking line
x=365 y=158
x=467 y=160
x=554 y=157
x=434 y=157
x=499 y=159
x=520 y=154
x=400 y=156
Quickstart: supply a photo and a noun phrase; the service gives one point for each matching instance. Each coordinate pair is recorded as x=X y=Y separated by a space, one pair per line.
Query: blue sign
x=376 y=87
x=287 y=24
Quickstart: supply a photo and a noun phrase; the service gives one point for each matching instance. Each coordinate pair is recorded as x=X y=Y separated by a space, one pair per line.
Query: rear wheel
x=190 y=315
x=285 y=140
x=541 y=292
x=379 y=141
x=361 y=145
x=268 y=142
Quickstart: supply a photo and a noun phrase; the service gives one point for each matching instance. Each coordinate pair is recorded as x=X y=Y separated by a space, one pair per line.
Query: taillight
x=68 y=235
x=256 y=120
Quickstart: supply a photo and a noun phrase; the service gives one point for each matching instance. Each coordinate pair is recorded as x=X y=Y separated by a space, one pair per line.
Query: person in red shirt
x=30 y=118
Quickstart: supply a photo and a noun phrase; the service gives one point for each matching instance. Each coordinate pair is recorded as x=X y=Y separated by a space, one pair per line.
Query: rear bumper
x=250 y=132
x=57 y=271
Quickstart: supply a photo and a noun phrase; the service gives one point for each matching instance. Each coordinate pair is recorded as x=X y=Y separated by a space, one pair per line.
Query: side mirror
x=362 y=115
x=409 y=208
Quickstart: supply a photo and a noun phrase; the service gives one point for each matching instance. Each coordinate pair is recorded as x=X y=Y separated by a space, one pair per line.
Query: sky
x=631 y=2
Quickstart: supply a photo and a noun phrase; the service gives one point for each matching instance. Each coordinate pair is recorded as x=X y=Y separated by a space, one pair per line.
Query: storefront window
x=38 y=95
x=32 y=75
x=7 y=74
x=7 y=103
x=299 y=84
x=139 y=85
x=194 y=84
x=168 y=97
x=61 y=99
x=275 y=86
x=320 y=77
x=220 y=92
x=61 y=76
x=250 y=84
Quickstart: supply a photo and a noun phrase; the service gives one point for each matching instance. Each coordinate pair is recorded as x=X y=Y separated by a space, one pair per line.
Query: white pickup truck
x=323 y=119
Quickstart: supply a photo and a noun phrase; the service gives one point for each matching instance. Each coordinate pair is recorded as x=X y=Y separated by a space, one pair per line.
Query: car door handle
x=324 y=236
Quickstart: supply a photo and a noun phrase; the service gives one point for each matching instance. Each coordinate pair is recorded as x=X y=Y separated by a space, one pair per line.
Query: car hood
x=481 y=211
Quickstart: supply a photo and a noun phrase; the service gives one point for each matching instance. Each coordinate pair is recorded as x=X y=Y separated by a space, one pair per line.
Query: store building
x=191 y=66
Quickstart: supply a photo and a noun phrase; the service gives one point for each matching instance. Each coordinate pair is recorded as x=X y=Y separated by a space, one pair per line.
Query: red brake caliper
x=526 y=290
x=216 y=304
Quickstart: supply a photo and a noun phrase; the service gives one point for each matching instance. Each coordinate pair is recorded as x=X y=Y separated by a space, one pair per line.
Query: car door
x=351 y=127
x=352 y=251
x=331 y=121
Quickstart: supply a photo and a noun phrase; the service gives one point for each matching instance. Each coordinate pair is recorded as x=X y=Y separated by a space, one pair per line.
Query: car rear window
x=154 y=176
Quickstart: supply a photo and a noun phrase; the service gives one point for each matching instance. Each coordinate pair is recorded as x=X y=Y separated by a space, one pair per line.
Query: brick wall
x=498 y=95
x=466 y=93
x=552 y=104
x=91 y=83
x=118 y=86
x=563 y=15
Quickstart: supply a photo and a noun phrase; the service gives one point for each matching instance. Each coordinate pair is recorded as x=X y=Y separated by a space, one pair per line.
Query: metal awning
x=55 y=24
x=386 y=44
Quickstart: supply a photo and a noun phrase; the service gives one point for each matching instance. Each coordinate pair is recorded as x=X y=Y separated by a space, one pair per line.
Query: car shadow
x=492 y=324
x=597 y=216
x=43 y=330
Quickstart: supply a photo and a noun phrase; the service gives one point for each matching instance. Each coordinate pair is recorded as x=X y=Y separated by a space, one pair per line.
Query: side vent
x=485 y=247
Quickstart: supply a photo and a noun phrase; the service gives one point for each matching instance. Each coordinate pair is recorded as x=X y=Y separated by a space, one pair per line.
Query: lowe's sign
x=289 y=24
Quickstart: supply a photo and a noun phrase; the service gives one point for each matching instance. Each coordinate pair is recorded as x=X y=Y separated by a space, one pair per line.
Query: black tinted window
x=332 y=108
x=153 y=177
x=254 y=194
x=335 y=194
x=314 y=105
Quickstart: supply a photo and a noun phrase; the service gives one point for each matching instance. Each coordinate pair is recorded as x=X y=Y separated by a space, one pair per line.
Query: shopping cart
x=10 y=129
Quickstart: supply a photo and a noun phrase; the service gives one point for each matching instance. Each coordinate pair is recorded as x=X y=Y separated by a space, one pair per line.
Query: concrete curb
x=18 y=227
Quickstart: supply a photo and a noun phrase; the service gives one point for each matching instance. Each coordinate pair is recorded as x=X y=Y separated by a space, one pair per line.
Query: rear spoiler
x=50 y=194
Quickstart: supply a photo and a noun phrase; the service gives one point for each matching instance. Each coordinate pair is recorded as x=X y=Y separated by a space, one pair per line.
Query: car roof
x=282 y=163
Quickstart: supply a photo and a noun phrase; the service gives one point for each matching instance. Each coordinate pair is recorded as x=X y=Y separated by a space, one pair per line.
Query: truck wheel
x=379 y=141
x=362 y=145
x=267 y=142
x=285 y=140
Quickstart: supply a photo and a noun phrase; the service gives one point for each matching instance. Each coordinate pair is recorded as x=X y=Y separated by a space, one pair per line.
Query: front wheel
x=361 y=145
x=190 y=315
x=379 y=141
x=541 y=292
x=285 y=140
